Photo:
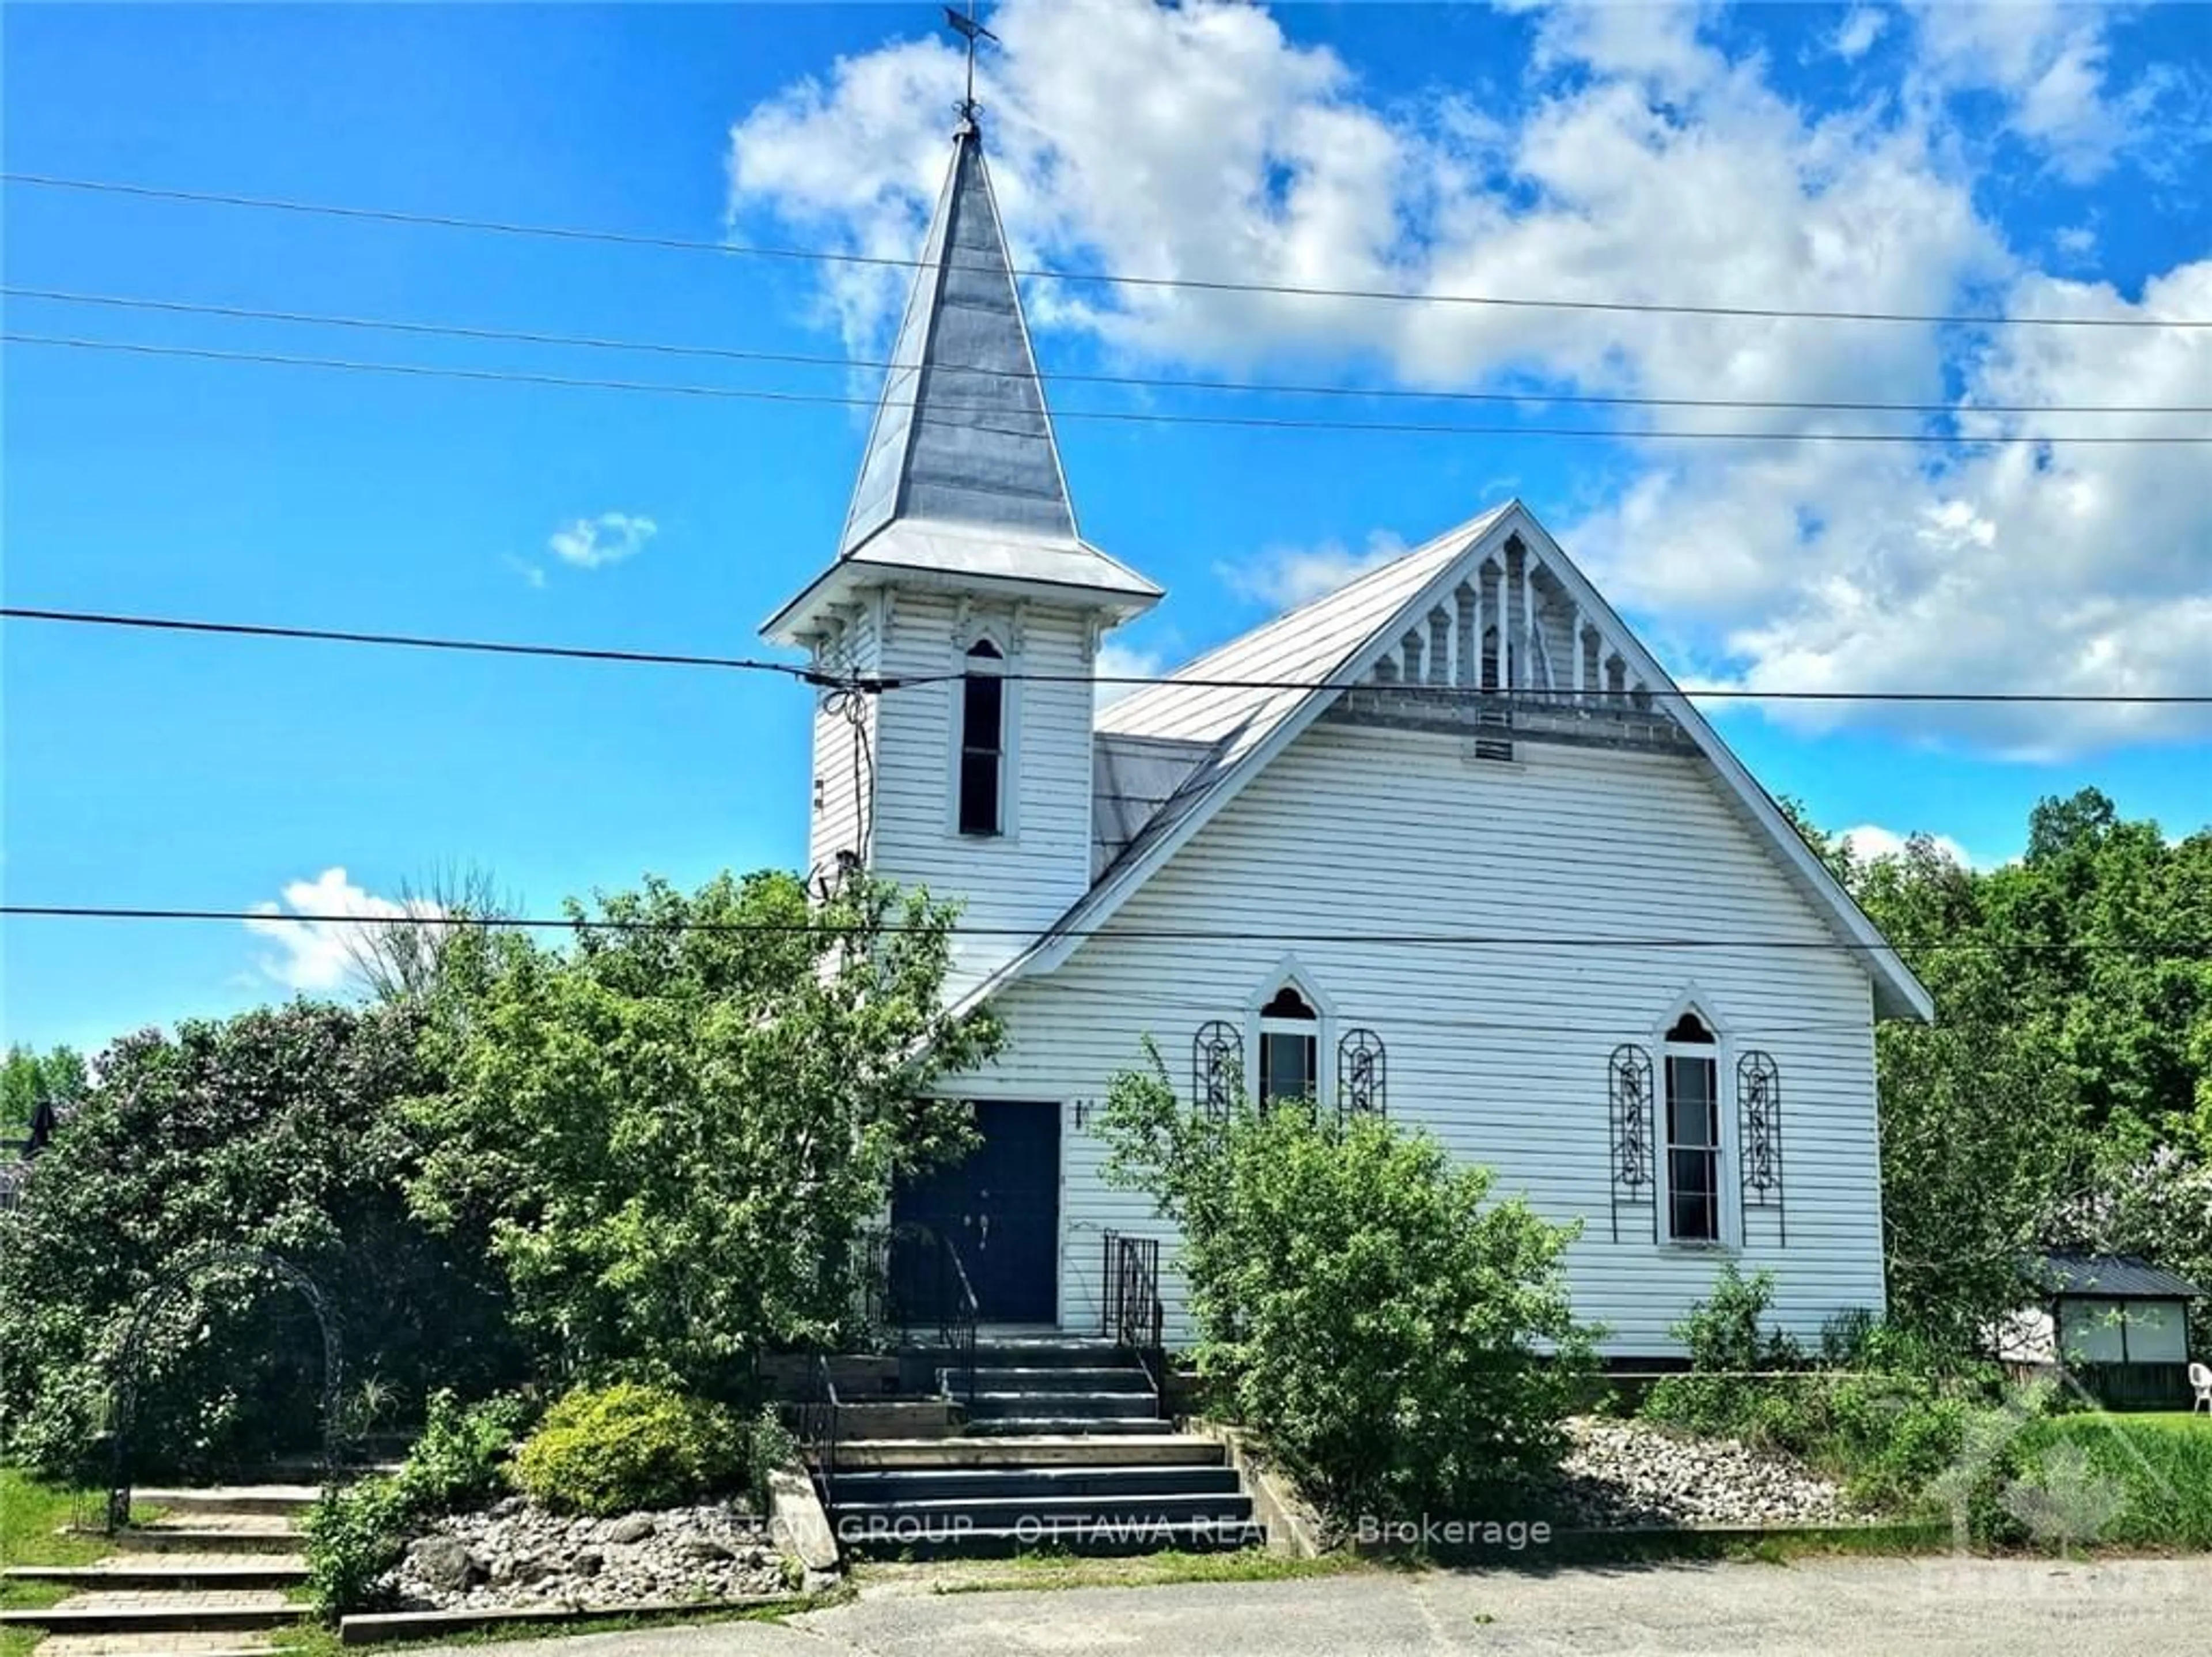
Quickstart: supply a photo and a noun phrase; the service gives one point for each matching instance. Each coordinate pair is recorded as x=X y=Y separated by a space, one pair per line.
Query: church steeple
x=961 y=487
x=962 y=433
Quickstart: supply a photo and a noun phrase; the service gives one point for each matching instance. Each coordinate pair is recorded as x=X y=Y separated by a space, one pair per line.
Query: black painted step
x=1091 y=1539
x=1061 y=1378
x=1042 y=1352
x=1033 y=1480
x=1010 y=1513
x=990 y=1406
x=1066 y=1426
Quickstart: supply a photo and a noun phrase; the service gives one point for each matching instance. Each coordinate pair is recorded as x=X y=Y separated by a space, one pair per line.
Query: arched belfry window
x=984 y=740
x=1693 y=1131
x=1290 y=1046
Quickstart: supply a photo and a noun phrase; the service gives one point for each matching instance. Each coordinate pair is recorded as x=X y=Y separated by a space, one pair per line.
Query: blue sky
x=2033 y=158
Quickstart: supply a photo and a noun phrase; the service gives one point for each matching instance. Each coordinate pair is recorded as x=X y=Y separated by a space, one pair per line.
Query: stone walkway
x=208 y=1579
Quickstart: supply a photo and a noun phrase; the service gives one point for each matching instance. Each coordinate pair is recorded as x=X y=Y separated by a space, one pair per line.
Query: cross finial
x=970 y=31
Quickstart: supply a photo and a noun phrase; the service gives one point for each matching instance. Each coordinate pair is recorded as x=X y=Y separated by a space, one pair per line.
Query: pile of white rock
x=517 y=1554
x=1631 y=1472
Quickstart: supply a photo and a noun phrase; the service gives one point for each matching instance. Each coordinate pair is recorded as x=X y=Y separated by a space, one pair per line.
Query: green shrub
x=354 y=1535
x=1402 y=1342
x=461 y=1459
x=771 y=1446
x=618 y=1448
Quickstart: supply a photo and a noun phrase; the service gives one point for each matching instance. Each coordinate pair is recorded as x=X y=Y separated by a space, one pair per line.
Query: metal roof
x=961 y=487
x=2109 y=1278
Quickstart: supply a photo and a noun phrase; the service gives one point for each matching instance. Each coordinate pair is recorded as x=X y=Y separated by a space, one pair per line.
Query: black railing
x=817 y=1427
x=1135 y=1319
x=913 y=1279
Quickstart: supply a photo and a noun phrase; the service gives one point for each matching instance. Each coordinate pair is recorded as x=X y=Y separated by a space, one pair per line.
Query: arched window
x=984 y=740
x=1693 y=1131
x=1289 y=1043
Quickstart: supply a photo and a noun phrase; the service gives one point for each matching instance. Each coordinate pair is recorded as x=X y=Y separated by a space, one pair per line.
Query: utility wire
x=1128 y=417
x=418 y=642
x=1196 y=284
x=1134 y=934
x=1064 y=376
x=870 y=684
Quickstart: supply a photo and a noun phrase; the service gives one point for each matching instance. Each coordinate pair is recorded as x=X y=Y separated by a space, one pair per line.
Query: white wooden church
x=1446 y=844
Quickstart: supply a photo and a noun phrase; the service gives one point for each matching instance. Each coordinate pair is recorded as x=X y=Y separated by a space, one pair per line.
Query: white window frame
x=1727 y=1221
x=1289 y=974
x=956 y=723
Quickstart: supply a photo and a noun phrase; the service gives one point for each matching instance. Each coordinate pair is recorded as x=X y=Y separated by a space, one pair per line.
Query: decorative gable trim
x=1624 y=664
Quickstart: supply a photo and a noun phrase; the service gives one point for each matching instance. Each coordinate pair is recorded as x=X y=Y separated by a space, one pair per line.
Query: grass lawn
x=31 y=1516
x=2161 y=1461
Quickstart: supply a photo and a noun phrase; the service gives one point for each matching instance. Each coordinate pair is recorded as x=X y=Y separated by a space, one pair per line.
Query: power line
x=873 y=685
x=1133 y=934
x=1064 y=376
x=414 y=642
x=1128 y=417
x=1196 y=284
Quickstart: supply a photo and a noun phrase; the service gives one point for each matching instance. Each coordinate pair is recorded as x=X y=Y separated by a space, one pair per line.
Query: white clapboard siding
x=1016 y=885
x=837 y=810
x=1501 y=1050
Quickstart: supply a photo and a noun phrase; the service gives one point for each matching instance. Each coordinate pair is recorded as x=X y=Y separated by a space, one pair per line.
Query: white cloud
x=1860 y=30
x=2048 y=61
x=1121 y=662
x=318 y=956
x=1646 y=164
x=594 y=543
x=1284 y=577
x=1870 y=840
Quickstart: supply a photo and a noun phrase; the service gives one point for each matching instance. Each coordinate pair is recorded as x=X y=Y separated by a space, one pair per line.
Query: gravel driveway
x=1825 y=1608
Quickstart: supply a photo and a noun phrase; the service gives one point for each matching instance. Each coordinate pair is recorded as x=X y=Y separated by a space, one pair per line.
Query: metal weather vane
x=969 y=30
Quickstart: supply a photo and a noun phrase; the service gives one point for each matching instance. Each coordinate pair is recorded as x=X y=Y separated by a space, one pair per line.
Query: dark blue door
x=1001 y=1209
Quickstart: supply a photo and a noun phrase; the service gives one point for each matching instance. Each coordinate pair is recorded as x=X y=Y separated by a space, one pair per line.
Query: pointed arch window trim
x=1691 y=1110
x=1289 y=1025
x=983 y=741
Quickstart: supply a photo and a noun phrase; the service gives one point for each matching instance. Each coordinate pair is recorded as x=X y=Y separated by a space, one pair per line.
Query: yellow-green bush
x=615 y=1449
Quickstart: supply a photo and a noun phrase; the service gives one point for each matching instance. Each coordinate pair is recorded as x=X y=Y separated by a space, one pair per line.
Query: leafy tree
x=28 y=1076
x=1402 y=1342
x=2064 y=1095
x=275 y=1129
x=666 y=1134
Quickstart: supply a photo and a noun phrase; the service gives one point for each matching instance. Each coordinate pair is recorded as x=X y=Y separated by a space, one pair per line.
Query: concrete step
x=201 y=1612
x=1053 y=1513
x=1028 y=1450
x=1089 y=1406
x=1042 y=1352
x=915 y=1540
x=278 y=1499
x=244 y=1534
x=920 y=1418
x=156 y=1645
x=179 y=1572
x=1068 y=1378
x=1055 y=1425
x=933 y=1485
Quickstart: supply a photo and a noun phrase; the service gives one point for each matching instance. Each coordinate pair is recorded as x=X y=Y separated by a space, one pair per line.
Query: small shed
x=2113 y=1323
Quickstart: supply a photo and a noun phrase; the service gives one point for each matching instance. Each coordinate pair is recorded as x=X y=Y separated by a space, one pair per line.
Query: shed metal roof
x=2110 y=1278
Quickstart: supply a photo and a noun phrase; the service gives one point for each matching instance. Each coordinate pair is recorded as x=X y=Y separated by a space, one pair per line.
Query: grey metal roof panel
x=2110 y=1276
x=962 y=433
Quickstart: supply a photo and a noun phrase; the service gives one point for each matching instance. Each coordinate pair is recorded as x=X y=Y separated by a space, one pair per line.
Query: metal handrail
x=957 y=1318
x=887 y=1306
x=1135 y=1316
x=819 y=1426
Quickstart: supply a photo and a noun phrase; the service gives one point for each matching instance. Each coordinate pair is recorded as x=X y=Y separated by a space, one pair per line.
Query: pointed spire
x=962 y=434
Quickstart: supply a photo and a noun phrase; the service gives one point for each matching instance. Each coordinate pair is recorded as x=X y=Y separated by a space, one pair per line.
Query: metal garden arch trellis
x=144 y=1317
